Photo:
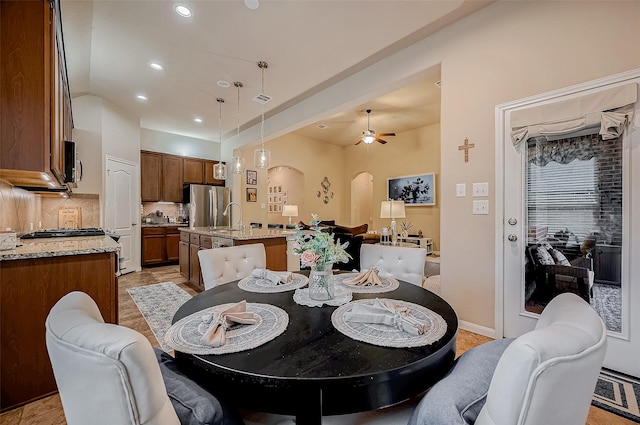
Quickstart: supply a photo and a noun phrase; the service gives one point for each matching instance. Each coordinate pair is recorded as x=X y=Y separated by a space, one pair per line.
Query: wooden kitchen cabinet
x=160 y=245
x=35 y=112
x=184 y=259
x=29 y=288
x=171 y=178
x=150 y=176
x=172 y=244
x=194 y=267
x=193 y=170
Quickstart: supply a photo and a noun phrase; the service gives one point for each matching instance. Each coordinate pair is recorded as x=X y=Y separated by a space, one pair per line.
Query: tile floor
x=48 y=411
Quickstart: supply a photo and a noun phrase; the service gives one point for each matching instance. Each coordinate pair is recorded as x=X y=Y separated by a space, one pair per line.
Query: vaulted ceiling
x=308 y=45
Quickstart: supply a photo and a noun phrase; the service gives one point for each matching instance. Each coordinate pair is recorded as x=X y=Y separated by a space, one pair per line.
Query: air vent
x=262 y=98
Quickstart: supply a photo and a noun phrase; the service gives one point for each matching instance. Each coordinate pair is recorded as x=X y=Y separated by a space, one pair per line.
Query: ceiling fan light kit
x=369 y=136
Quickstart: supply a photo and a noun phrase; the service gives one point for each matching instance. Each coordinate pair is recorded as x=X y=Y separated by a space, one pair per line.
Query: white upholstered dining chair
x=223 y=265
x=400 y=262
x=109 y=374
x=546 y=376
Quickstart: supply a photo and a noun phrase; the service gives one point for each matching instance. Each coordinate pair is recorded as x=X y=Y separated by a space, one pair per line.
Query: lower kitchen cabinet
x=160 y=245
x=29 y=288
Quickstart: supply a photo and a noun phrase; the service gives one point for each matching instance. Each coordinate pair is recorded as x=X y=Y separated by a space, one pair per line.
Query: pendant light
x=220 y=169
x=262 y=156
x=237 y=162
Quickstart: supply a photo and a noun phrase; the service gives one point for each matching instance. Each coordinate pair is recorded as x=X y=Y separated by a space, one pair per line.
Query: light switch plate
x=480 y=207
x=461 y=190
x=480 y=189
x=263 y=206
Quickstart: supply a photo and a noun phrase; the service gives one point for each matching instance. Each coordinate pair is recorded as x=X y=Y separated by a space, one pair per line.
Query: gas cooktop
x=64 y=233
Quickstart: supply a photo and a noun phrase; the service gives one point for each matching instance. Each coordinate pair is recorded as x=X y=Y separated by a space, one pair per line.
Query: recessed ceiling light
x=183 y=11
x=438 y=83
x=322 y=126
x=197 y=119
x=223 y=83
x=156 y=66
x=142 y=98
x=252 y=4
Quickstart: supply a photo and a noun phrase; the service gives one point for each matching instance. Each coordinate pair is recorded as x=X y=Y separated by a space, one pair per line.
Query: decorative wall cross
x=466 y=148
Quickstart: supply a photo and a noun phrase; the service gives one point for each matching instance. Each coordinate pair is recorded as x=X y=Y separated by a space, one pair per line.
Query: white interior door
x=122 y=210
x=550 y=203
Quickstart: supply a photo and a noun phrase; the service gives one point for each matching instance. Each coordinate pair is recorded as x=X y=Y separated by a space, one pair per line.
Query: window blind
x=563 y=196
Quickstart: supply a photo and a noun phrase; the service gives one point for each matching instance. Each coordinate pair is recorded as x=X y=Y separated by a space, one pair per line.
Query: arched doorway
x=362 y=199
x=286 y=186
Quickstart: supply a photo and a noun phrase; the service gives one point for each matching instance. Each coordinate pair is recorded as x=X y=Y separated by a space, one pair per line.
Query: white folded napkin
x=385 y=313
x=366 y=278
x=274 y=277
x=219 y=322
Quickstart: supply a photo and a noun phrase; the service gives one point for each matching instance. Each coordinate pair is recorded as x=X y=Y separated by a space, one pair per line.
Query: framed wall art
x=252 y=194
x=252 y=177
x=417 y=190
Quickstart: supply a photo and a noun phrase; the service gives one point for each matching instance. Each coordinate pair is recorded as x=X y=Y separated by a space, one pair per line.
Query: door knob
x=512 y=237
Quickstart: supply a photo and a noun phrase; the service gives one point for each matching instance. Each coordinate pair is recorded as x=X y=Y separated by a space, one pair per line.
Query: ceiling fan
x=370 y=136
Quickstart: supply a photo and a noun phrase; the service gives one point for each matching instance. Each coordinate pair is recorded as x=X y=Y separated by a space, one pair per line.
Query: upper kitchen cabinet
x=35 y=104
x=208 y=174
x=151 y=176
x=193 y=170
x=171 y=178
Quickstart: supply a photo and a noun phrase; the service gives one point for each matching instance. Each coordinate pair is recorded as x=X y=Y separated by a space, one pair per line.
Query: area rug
x=158 y=304
x=607 y=301
x=619 y=394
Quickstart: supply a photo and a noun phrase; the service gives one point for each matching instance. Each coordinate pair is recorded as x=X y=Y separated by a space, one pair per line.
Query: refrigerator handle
x=212 y=207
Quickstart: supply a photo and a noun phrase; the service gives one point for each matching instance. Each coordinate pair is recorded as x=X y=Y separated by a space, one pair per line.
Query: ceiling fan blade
x=385 y=134
x=381 y=141
x=358 y=142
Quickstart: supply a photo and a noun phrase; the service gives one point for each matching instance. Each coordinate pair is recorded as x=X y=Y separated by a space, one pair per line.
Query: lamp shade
x=289 y=210
x=392 y=209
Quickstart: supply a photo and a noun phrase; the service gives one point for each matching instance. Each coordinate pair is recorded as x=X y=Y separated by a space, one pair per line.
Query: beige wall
x=409 y=153
x=315 y=160
x=19 y=209
x=508 y=51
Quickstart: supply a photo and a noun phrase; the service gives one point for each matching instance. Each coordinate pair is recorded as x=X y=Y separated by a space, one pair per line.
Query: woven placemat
x=254 y=284
x=342 y=296
x=389 y=336
x=185 y=334
x=388 y=284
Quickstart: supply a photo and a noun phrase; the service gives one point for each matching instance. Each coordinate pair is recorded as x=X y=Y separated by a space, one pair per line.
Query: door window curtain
x=611 y=110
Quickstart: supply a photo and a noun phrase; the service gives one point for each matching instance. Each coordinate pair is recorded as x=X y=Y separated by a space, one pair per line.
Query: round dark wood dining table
x=312 y=369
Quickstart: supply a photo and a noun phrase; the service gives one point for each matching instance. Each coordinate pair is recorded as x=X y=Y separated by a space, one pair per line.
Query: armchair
x=546 y=269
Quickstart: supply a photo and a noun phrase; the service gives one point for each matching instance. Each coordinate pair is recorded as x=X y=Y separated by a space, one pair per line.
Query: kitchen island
x=33 y=277
x=194 y=239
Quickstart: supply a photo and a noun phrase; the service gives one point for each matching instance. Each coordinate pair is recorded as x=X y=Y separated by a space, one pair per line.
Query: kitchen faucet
x=227 y=210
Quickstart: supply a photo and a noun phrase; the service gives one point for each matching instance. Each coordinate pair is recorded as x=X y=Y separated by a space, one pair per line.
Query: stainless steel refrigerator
x=206 y=205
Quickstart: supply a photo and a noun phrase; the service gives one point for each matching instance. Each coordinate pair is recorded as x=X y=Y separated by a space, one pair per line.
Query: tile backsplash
x=22 y=211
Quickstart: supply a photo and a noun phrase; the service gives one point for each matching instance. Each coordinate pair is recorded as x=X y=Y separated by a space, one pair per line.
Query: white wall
x=159 y=141
x=87 y=133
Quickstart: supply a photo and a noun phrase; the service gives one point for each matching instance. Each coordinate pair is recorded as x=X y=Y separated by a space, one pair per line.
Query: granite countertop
x=165 y=225
x=246 y=235
x=57 y=247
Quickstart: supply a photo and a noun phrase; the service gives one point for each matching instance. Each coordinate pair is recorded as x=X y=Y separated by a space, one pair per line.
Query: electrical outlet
x=480 y=207
x=461 y=190
x=480 y=189
x=263 y=206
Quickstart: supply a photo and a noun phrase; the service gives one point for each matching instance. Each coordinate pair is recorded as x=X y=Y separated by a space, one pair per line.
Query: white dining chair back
x=106 y=374
x=403 y=263
x=545 y=376
x=223 y=265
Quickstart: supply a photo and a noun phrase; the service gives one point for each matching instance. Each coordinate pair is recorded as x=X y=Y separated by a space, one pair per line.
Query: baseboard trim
x=481 y=330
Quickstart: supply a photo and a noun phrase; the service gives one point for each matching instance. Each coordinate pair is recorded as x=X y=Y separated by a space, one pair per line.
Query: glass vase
x=321 y=283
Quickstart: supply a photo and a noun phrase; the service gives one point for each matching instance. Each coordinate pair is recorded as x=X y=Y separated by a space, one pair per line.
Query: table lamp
x=289 y=211
x=392 y=209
